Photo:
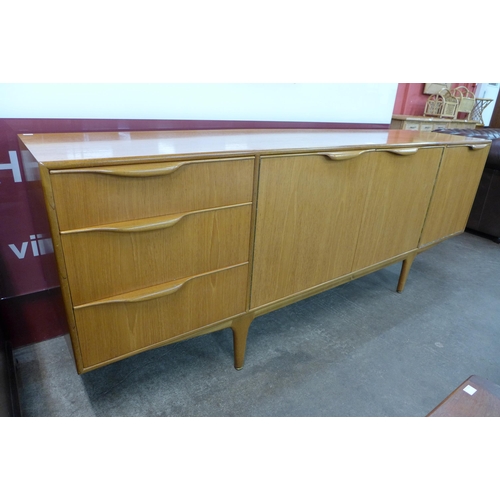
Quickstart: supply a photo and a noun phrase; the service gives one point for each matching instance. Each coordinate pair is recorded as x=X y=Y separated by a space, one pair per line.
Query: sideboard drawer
x=100 y=195
x=117 y=258
x=411 y=126
x=132 y=322
x=427 y=127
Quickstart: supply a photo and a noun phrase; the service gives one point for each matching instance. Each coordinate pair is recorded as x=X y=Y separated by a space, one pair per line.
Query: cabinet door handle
x=346 y=155
x=477 y=147
x=402 y=151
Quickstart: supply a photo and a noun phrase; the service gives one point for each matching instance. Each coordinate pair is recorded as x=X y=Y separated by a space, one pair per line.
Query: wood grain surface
x=162 y=236
x=88 y=198
x=105 y=263
x=110 y=330
x=454 y=193
x=75 y=150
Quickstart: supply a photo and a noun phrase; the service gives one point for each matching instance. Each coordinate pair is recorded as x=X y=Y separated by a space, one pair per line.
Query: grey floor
x=360 y=349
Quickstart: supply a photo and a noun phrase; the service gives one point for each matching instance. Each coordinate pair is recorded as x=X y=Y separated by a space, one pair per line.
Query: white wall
x=324 y=102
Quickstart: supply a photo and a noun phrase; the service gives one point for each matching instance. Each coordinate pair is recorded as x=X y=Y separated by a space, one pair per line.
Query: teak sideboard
x=164 y=236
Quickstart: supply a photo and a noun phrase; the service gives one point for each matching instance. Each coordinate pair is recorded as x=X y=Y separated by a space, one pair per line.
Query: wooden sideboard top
x=94 y=148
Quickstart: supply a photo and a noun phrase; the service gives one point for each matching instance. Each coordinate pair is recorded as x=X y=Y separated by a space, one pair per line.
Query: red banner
x=27 y=261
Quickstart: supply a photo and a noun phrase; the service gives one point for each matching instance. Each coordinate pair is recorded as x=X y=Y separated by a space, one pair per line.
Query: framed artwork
x=434 y=88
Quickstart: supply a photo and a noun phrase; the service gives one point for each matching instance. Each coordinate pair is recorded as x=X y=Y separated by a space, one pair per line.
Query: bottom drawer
x=127 y=323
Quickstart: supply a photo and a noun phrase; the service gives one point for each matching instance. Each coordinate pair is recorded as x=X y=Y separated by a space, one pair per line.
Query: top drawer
x=99 y=195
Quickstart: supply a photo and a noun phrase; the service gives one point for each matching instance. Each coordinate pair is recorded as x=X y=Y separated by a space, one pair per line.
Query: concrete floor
x=360 y=349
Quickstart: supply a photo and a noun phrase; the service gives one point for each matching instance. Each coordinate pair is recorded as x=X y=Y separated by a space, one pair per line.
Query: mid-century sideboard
x=164 y=236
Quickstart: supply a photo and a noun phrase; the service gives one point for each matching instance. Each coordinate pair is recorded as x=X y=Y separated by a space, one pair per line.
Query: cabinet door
x=308 y=216
x=400 y=187
x=454 y=193
x=320 y=217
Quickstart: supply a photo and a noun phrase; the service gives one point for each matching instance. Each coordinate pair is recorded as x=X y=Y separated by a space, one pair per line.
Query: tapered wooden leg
x=240 y=328
x=405 y=269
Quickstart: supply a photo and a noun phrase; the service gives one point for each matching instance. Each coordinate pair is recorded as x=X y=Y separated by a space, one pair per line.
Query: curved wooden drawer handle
x=127 y=170
x=154 y=292
x=149 y=224
x=346 y=155
x=141 y=170
x=136 y=226
x=402 y=152
x=476 y=147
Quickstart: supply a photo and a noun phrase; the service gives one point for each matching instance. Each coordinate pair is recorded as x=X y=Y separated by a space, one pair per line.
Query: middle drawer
x=112 y=259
